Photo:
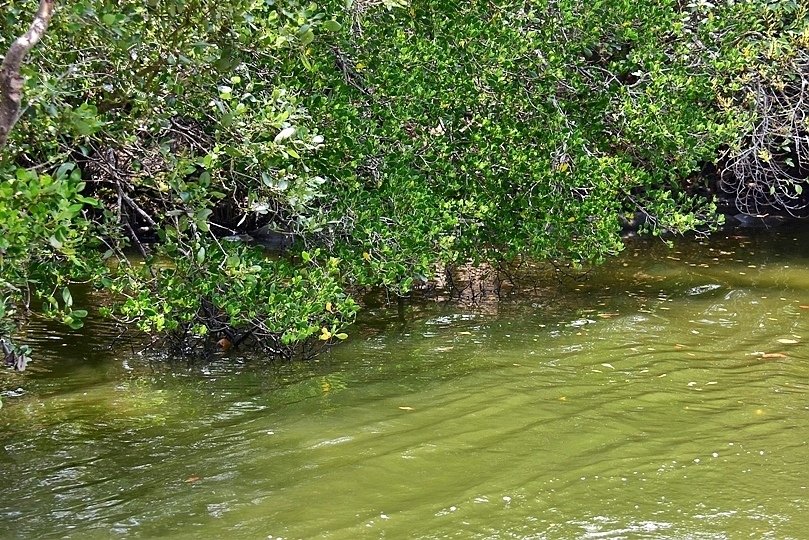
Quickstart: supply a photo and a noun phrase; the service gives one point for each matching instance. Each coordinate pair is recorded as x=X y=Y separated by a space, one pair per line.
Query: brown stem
x=11 y=82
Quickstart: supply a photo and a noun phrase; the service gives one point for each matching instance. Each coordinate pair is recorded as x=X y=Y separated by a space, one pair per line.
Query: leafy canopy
x=374 y=141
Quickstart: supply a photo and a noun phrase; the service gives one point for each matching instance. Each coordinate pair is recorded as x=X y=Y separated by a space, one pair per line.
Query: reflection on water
x=666 y=397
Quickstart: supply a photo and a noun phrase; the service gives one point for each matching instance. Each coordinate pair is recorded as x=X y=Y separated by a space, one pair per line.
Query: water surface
x=665 y=397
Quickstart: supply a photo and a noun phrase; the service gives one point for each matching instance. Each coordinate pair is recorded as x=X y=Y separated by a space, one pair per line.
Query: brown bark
x=11 y=82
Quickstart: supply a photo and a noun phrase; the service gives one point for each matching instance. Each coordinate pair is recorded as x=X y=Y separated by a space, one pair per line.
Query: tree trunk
x=11 y=82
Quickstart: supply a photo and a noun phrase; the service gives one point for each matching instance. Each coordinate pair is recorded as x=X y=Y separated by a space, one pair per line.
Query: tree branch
x=11 y=82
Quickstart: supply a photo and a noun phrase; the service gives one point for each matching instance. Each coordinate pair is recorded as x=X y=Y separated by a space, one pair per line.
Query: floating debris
x=702 y=289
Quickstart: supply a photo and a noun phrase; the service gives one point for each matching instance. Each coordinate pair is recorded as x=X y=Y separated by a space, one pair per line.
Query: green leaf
x=305 y=61
x=308 y=37
x=63 y=169
x=88 y=201
x=332 y=25
x=203 y=214
x=67 y=297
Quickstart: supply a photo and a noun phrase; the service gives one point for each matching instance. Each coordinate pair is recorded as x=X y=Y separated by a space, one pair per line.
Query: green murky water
x=666 y=397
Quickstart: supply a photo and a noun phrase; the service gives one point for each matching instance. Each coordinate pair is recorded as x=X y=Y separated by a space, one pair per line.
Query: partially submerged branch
x=11 y=82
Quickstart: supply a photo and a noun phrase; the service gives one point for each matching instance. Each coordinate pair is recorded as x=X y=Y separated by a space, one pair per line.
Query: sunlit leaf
x=284 y=134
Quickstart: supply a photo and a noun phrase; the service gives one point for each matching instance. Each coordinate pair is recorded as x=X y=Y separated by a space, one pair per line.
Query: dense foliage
x=375 y=141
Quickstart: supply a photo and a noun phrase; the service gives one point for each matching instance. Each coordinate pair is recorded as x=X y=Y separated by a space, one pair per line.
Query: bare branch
x=11 y=82
x=767 y=170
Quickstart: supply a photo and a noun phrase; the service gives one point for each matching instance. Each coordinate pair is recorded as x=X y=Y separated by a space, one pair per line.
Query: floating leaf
x=607 y=315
